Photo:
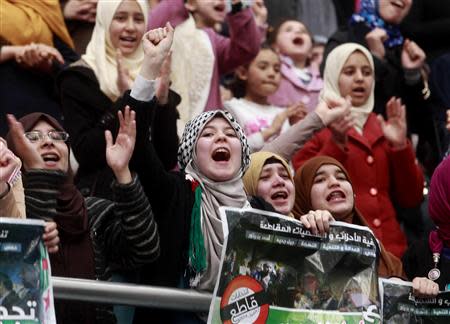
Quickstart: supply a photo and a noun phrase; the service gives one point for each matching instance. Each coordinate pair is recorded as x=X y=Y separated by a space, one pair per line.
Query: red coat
x=380 y=174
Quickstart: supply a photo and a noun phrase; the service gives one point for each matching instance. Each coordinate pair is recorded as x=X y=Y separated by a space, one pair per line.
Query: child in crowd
x=300 y=82
x=260 y=120
x=200 y=55
x=94 y=88
x=431 y=256
x=376 y=153
x=97 y=235
x=323 y=176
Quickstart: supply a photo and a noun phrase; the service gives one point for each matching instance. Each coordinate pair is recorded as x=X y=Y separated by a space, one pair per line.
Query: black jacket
x=88 y=112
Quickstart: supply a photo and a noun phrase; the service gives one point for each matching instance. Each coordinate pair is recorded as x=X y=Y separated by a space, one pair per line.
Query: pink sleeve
x=167 y=10
x=243 y=44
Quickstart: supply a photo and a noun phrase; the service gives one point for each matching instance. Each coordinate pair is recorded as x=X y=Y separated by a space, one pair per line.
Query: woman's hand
x=260 y=13
x=296 y=112
x=24 y=149
x=413 y=57
x=118 y=155
x=332 y=110
x=9 y=163
x=448 y=120
x=317 y=221
x=375 y=41
x=394 y=129
x=124 y=81
x=156 y=44
x=80 y=10
x=51 y=237
x=38 y=56
x=276 y=126
x=424 y=287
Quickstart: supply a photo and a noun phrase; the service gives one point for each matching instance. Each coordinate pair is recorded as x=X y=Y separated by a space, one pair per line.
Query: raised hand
x=375 y=41
x=162 y=93
x=317 y=221
x=9 y=163
x=413 y=57
x=81 y=10
x=394 y=129
x=124 y=81
x=24 y=149
x=333 y=109
x=342 y=120
x=260 y=12
x=156 y=44
x=118 y=155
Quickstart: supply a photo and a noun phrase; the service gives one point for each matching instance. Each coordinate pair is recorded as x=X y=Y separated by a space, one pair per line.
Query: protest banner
x=400 y=306
x=276 y=271
x=26 y=295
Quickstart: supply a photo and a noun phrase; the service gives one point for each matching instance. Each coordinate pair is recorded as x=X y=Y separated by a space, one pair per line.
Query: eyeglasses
x=35 y=136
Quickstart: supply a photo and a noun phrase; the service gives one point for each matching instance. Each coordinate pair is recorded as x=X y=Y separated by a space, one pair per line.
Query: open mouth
x=398 y=4
x=128 y=39
x=359 y=90
x=298 y=41
x=221 y=155
x=279 y=195
x=336 y=196
x=50 y=158
x=220 y=8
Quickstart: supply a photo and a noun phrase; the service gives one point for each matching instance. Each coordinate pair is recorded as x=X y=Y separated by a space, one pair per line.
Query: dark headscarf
x=304 y=179
x=72 y=218
x=369 y=14
x=439 y=203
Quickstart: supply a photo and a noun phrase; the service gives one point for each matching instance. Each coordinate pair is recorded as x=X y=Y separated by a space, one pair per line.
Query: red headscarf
x=439 y=204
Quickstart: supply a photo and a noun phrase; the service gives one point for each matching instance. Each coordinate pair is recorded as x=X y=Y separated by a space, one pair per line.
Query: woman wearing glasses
x=97 y=235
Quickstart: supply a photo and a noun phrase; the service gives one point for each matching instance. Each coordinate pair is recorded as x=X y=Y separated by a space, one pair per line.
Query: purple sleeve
x=167 y=10
x=243 y=44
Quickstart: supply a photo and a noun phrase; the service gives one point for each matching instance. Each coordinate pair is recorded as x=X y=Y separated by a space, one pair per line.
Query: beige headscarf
x=333 y=67
x=101 y=55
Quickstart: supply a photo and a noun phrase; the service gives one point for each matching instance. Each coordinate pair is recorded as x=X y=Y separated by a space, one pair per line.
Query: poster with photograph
x=275 y=271
x=400 y=306
x=26 y=294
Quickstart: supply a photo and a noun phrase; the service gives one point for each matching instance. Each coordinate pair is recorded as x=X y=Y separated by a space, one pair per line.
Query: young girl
x=96 y=87
x=200 y=55
x=322 y=177
x=430 y=257
x=98 y=236
x=300 y=82
x=376 y=153
x=261 y=121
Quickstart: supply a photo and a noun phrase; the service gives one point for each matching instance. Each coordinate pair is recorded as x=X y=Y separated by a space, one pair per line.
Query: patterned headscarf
x=369 y=15
x=206 y=236
x=192 y=132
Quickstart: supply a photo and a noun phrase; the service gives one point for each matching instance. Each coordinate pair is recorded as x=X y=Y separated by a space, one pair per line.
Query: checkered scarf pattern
x=192 y=132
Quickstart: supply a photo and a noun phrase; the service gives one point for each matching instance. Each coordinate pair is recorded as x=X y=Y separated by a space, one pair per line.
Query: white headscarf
x=101 y=55
x=333 y=67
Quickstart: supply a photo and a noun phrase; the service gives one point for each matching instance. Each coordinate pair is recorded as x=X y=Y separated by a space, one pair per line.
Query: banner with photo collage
x=276 y=271
x=26 y=295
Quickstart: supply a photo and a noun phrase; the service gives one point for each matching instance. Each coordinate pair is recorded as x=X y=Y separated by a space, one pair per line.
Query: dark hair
x=238 y=86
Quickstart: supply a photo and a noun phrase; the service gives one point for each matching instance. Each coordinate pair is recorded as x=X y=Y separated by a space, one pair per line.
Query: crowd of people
x=126 y=124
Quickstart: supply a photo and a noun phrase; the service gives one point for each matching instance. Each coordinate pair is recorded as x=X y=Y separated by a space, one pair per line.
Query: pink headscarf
x=439 y=203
